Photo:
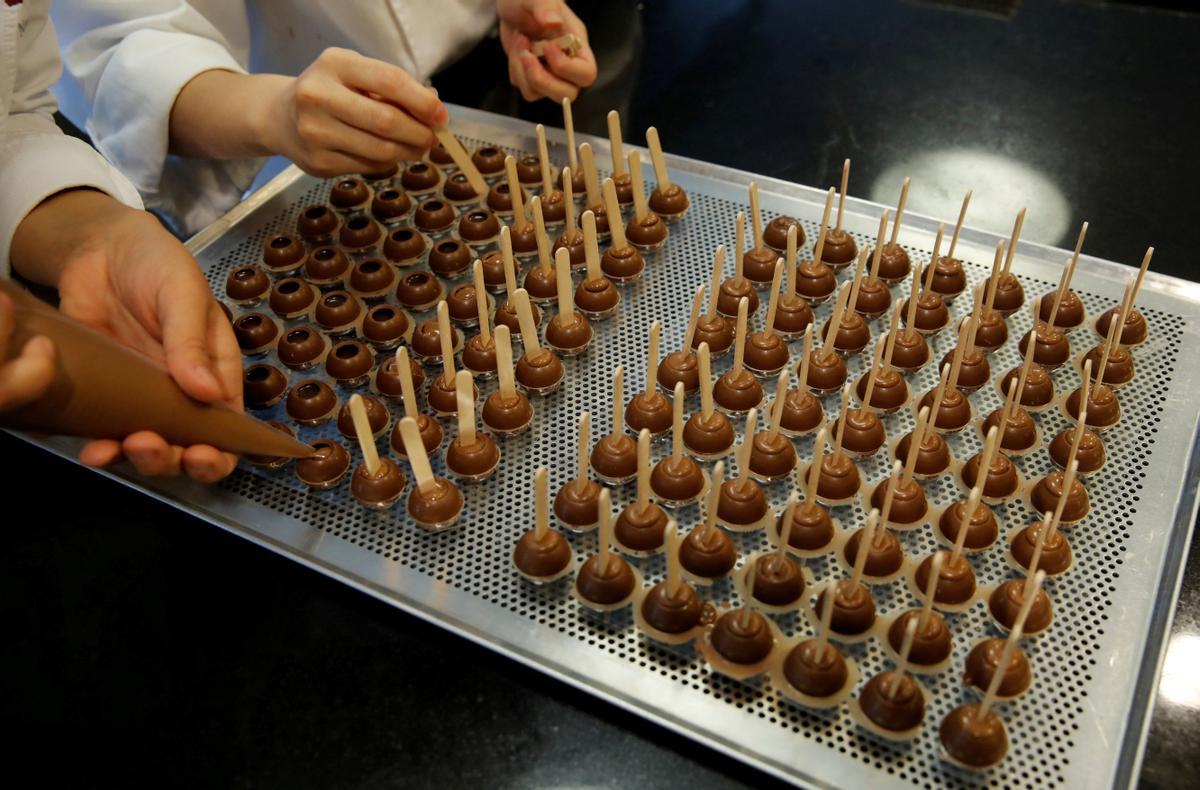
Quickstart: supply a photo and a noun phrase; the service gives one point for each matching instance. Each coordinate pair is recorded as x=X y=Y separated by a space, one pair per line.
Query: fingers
x=392 y=83
x=206 y=464
x=151 y=455
x=380 y=120
x=100 y=452
x=580 y=70
x=25 y=377
x=183 y=311
x=542 y=82
x=331 y=134
x=226 y=356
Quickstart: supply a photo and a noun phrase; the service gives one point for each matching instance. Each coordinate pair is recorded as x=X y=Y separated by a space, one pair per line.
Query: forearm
x=64 y=227
x=224 y=115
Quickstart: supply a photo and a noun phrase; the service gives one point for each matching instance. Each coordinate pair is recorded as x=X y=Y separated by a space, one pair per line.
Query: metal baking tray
x=1083 y=724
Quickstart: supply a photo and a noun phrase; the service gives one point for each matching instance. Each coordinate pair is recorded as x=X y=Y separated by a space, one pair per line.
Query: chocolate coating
x=679 y=366
x=826 y=372
x=529 y=170
x=1005 y=603
x=733 y=291
x=387 y=378
x=577 y=503
x=326 y=467
x=1052 y=347
x=499 y=199
x=676 y=479
x=615 y=457
x=955 y=584
x=427 y=340
x=554 y=207
x=777 y=581
x=707 y=554
x=569 y=338
x=955 y=411
x=853 y=609
x=772 y=456
x=449 y=258
x=573 y=243
x=890 y=392
x=457 y=189
x=326 y=266
x=982 y=532
x=479 y=357
x=741 y=642
x=507 y=415
x=262 y=386
x=403 y=246
x=738 y=394
x=792 y=316
x=1056 y=552
x=669 y=203
x=911 y=351
x=360 y=233
x=931 y=316
x=431 y=435
x=489 y=160
x=992 y=331
x=874 y=298
x=605 y=580
x=776 y=231
x=1039 y=387
x=1009 y=294
x=420 y=177
x=983 y=662
x=972 y=741
x=380 y=489
x=372 y=278
x=909 y=505
x=1002 y=480
x=300 y=347
x=385 y=325
x=442 y=396
x=419 y=290
x=1090 y=456
x=391 y=204
x=884 y=555
x=741 y=503
x=815 y=675
x=337 y=309
x=649 y=410
x=282 y=253
x=349 y=193
x=894 y=264
x=840 y=248
x=1134 y=331
x=1120 y=368
x=541 y=371
x=949 y=278
x=317 y=223
x=439 y=506
x=462 y=304
x=1019 y=432
x=650 y=232
x=672 y=614
x=349 y=361
x=1103 y=408
x=812 y=527
x=933 y=455
x=839 y=478
x=524 y=238
x=247 y=284
x=974 y=371
x=622 y=264
x=863 y=432
x=815 y=281
x=802 y=412
x=493 y=272
x=254 y=332
x=544 y=557
x=641 y=529
x=716 y=330
x=893 y=702
x=766 y=353
x=758 y=265
x=931 y=644
x=311 y=401
x=291 y=297
x=708 y=437
x=1046 y=493
x=596 y=297
x=853 y=334
x=478 y=226
x=1070 y=310
x=377 y=417
x=472 y=459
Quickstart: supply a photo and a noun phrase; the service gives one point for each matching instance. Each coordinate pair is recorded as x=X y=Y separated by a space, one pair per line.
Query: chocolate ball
x=606 y=581
x=326 y=266
x=1056 y=554
x=772 y=456
x=282 y=254
x=349 y=362
x=478 y=226
x=889 y=394
x=792 y=316
x=826 y=372
x=949 y=278
x=419 y=178
x=337 y=310
x=438 y=507
x=892 y=702
x=676 y=480
x=737 y=394
x=573 y=243
x=982 y=531
x=431 y=436
x=955 y=584
x=641 y=529
x=874 y=298
x=973 y=372
x=909 y=505
x=970 y=739
x=1010 y=296
x=815 y=674
x=419 y=290
x=1005 y=603
x=1019 y=432
x=317 y=224
x=554 y=207
x=707 y=554
x=731 y=292
x=479 y=356
x=1039 y=387
x=1134 y=332
x=349 y=193
x=377 y=417
x=716 y=330
x=1103 y=408
x=489 y=160
x=499 y=199
x=910 y=352
x=765 y=353
x=955 y=411
x=540 y=373
x=311 y=402
x=1001 y=482
x=391 y=205
x=838 y=479
x=263 y=386
x=473 y=460
x=372 y=278
x=457 y=189
x=840 y=249
x=439 y=156
x=622 y=264
x=984 y=661
x=1052 y=348
x=577 y=504
x=385 y=326
x=524 y=239
x=434 y=216
x=1119 y=370
x=933 y=454
x=360 y=233
x=815 y=281
x=1045 y=495
x=404 y=246
x=255 y=332
x=802 y=413
x=1090 y=456
x=742 y=639
x=569 y=338
x=992 y=332
x=649 y=410
x=326 y=467
x=894 y=265
x=1070 y=310
x=506 y=315
x=932 y=315
x=670 y=203
x=853 y=334
x=507 y=416
x=542 y=558
x=672 y=614
x=812 y=527
x=597 y=298
x=300 y=347
x=614 y=458
x=853 y=609
x=931 y=644
x=648 y=233
x=246 y=285
x=387 y=379
x=442 y=396
x=776 y=231
x=708 y=437
x=862 y=433
x=463 y=306
x=292 y=297
x=493 y=272
x=884 y=555
x=758 y=265
x=679 y=366
x=741 y=503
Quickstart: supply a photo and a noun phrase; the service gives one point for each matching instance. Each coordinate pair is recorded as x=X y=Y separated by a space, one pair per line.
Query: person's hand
x=29 y=371
x=120 y=272
x=524 y=21
x=347 y=113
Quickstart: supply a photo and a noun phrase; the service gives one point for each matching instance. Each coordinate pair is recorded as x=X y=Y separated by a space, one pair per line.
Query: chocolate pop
x=947 y=277
x=999 y=476
x=525 y=237
x=1070 y=314
x=668 y=200
x=1009 y=293
x=622 y=262
x=571 y=238
x=1052 y=348
x=932 y=452
x=894 y=264
x=955 y=578
x=707 y=553
x=974 y=371
x=1035 y=388
x=1009 y=598
x=840 y=248
x=594 y=201
x=472 y=455
x=911 y=351
x=778 y=580
x=646 y=230
x=741 y=504
x=853 y=607
x=814 y=672
x=377 y=482
x=576 y=179
x=930 y=314
x=596 y=297
x=640 y=526
x=542 y=555
x=605 y=581
x=734 y=289
x=576 y=503
x=650 y=409
x=972 y=735
x=479 y=353
x=506 y=313
x=885 y=557
x=539 y=370
x=758 y=263
x=983 y=665
x=811 y=531
x=861 y=427
x=792 y=313
x=873 y=294
x=434 y=502
x=900 y=497
x=677 y=480
x=766 y=353
x=1047 y=492
x=708 y=435
x=772 y=455
x=683 y=365
x=569 y=332
x=891 y=704
x=992 y=332
x=539 y=281
x=839 y=478
x=1096 y=405
x=815 y=281
x=507 y=411
x=954 y=412
x=1120 y=368
x=827 y=370
x=851 y=334
x=670 y=612
x=622 y=182
x=932 y=644
x=882 y=387
x=554 y=201
x=714 y=328
x=614 y=458
x=738 y=390
x=802 y=411
x=443 y=395
x=1018 y=432
x=1041 y=546
x=428 y=428
x=741 y=641
x=1134 y=330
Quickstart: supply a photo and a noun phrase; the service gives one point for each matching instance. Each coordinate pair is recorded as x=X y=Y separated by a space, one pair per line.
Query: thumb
x=183 y=315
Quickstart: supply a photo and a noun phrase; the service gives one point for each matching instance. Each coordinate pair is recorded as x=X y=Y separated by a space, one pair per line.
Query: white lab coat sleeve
x=36 y=159
x=126 y=64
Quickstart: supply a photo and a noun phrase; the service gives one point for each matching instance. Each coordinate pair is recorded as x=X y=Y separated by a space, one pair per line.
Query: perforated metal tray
x=1083 y=724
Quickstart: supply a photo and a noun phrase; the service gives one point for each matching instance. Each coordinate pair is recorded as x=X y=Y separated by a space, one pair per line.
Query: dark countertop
x=145 y=647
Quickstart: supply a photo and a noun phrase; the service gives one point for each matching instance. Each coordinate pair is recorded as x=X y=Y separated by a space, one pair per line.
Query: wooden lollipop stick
x=618 y=398
x=835 y=322
x=755 y=216
x=959 y=350
x=841 y=422
x=877 y=253
x=1010 y=403
x=604 y=509
x=842 y=192
x=1141 y=275
x=1027 y=363
x=739 y=342
x=481 y=302
x=860 y=559
x=515 y=191
x=581 y=450
x=591 y=180
x=658 y=160
x=814 y=469
x=893 y=331
x=540 y=235
x=1010 y=647
x=718 y=269
x=447 y=341
x=366 y=437
x=1012 y=242
x=643 y=479
x=826 y=619
x=544 y=161
x=693 y=319
x=591 y=246
x=1123 y=312
x=541 y=497
x=960 y=540
x=789 y=265
x=962 y=215
x=407 y=391
x=743 y=458
x=935 y=575
x=614 y=142
x=1109 y=342
x=465 y=395
x=993 y=282
x=1083 y=229
x=615 y=226
x=652 y=357
x=856 y=285
x=418 y=459
x=462 y=159
x=677 y=422
x=914 y=446
x=900 y=209
x=819 y=248
x=872 y=376
x=989 y=452
x=562 y=281
x=777 y=405
x=714 y=496
x=806 y=359
x=927 y=285
x=674 y=575
x=640 y=210
x=569 y=127
x=745 y=613
x=902 y=665
x=1064 y=281
x=706 y=381
x=885 y=515
x=773 y=302
x=914 y=293
x=785 y=531
x=504 y=363
x=509 y=264
x=525 y=320
x=938 y=395
x=569 y=200
x=739 y=246
x=976 y=318
x=1048 y=529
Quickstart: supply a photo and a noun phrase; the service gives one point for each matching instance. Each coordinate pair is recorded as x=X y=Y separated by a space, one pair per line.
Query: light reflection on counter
x=1180 y=683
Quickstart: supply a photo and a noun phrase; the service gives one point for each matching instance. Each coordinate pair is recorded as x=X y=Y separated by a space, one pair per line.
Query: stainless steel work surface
x=1095 y=671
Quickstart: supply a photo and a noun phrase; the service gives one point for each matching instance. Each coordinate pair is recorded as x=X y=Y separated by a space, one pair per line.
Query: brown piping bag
x=102 y=390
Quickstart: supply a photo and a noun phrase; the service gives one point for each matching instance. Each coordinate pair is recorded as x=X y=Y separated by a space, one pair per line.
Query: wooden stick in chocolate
x=856 y=284
x=481 y=302
x=898 y=674
x=581 y=450
x=958 y=226
x=529 y=335
x=993 y=282
x=960 y=540
x=842 y=192
x=739 y=247
x=1048 y=529
x=1141 y=275
x=366 y=437
x=618 y=399
x=591 y=245
x=893 y=331
x=543 y=239
x=462 y=159
x=900 y=210
x=886 y=512
x=785 y=533
x=643 y=478
x=877 y=253
x=1012 y=242
x=805 y=360
x=781 y=384
x=465 y=395
x=658 y=160
x=515 y=191
x=829 y=591
x=1064 y=282
x=569 y=200
x=755 y=216
x=1010 y=646
x=693 y=319
x=418 y=459
x=743 y=457
x=745 y=613
x=652 y=358
x=615 y=226
x=914 y=445
x=617 y=149
x=562 y=281
x=504 y=366
x=819 y=247
x=713 y=498
x=677 y=422
x=935 y=574
x=839 y=307
x=860 y=559
x=446 y=338
x=508 y=263
x=541 y=502
x=790 y=261
x=739 y=342
x=671 y=540
x=604 y=511
x=840 y=430
x=544 y=161
x=640 y=209
x=718 y=269
x=927 y=285
x=569 y=127
x=773 y=301
x=590 y=178
x=407 y=391
x=910 y=318
x=871 y=377
x=706 y=381
x=938 y=395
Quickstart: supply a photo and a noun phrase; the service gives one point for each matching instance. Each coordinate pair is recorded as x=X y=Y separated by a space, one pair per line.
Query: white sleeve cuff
x=35 y=166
